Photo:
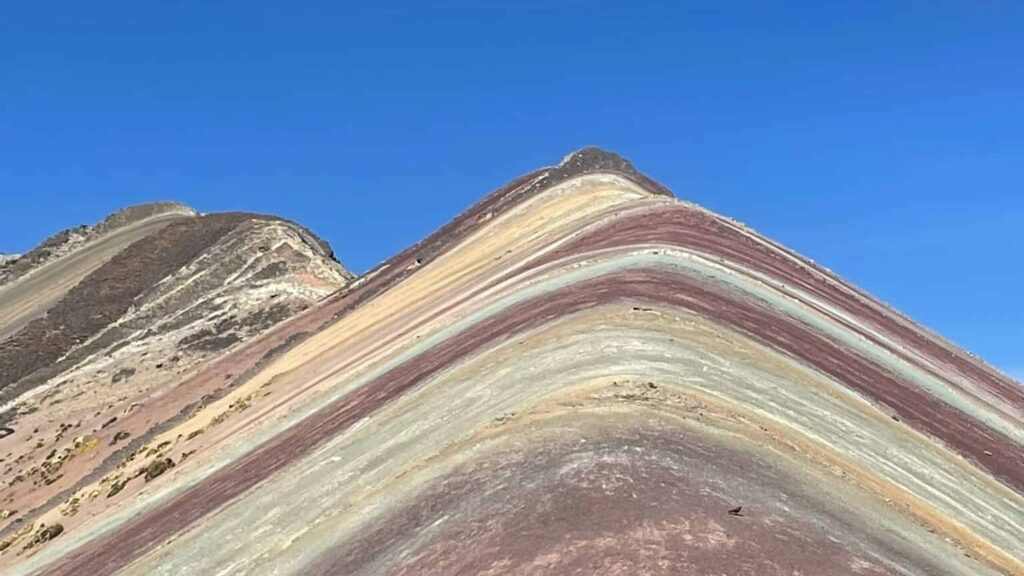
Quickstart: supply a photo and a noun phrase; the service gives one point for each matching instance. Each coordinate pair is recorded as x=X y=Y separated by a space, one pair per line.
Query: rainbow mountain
x=581 y=374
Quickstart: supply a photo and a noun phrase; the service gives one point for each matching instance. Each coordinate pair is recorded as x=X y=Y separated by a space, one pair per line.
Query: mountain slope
x=130 y=311
x=30 y=284
x=581 y=374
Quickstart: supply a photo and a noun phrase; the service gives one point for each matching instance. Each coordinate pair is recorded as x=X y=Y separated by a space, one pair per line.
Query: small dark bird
x=736 y=511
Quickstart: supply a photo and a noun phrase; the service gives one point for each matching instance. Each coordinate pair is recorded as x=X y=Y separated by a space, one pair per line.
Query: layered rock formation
x=102 y=324
x=63 y=260
x=579 y=375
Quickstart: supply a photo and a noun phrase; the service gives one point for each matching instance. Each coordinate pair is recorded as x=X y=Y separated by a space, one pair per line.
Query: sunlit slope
x=108 y=362
x=60 y=267
x=583 y=374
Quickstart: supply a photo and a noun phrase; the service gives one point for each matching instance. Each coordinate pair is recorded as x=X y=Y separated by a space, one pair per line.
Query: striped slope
x=579 y=375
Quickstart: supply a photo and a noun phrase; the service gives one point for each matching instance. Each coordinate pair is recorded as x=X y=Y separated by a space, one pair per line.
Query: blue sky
x=885 y=143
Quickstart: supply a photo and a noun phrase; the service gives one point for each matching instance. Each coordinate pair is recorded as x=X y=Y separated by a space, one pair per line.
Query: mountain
x=581 y=374
x=102 y=324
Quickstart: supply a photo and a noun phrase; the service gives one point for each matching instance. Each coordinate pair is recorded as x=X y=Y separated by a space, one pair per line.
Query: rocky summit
x=581 y=374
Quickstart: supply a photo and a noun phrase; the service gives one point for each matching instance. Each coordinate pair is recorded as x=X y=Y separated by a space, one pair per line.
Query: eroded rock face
x=155 y=292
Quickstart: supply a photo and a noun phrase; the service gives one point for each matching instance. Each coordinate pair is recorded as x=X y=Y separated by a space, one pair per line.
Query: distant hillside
x=103 y=323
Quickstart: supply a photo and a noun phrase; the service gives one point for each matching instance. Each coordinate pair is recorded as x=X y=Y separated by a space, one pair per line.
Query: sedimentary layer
x=580 y=374
x=32 y=283
x=78 y=382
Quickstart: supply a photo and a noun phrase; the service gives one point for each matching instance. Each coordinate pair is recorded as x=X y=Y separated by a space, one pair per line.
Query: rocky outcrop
x=186 y=290
x=579 y=375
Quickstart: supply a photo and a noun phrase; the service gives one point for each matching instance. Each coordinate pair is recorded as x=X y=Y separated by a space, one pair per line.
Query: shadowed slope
x=582 y=374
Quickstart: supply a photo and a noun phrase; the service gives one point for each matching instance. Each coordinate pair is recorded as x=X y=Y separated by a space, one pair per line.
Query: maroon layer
x=683 y=226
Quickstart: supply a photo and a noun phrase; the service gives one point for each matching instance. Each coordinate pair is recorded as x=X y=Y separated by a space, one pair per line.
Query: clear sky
x=885 y=143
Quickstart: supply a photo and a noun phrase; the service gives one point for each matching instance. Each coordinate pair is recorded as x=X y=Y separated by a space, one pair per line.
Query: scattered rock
x=156 y=450
x=117 y=486
x=122 y=375
x=44 y=534
x=505 y=417
x=121 y=435
x=158 y=467
x=71 y=507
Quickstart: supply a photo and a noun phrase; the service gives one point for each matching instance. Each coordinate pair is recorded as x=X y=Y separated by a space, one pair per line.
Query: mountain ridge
x=578 y=374
x=158 y=304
